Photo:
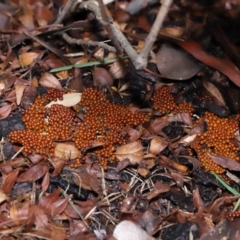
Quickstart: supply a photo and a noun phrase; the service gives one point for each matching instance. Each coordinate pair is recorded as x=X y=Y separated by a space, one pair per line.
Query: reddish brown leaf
x=101 y=77
x=46 y=203
x=133 y=151
x=222 y=65
x=175 y=63
x=9 y=181
x=157 y=145
x=33 y=173
x=38 y=217
x=158 y=188
x=45 y=182
x=59 y=206
x=58 y=164
x=5 y=111
x=225 y=162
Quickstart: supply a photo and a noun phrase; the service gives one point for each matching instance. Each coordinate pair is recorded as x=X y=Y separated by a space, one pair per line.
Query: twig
x=43 y=43
x=152 y=36
x=108 y=27
x=75 y=208
x=64 y=12
x=89 y=5
x=139 y=61
x=89 y=43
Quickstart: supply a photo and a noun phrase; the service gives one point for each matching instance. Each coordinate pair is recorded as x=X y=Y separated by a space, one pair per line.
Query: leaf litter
x=125 y=164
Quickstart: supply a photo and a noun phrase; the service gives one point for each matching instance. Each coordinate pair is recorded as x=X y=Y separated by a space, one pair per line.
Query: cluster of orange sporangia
x=216 y=140
x=44 y=125
x=163 y=101
x=232 y=215
x=103 y=122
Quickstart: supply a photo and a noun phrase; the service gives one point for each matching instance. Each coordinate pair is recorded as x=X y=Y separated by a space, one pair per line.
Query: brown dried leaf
x=34 y=173
x=157 y=145
x=175 y=63
x=159 y=187
x=59 y=206
x=133 y=151
x=5 y=111
x=222 y=65
x=48 y=80
x=66 y=151
x=117 y=70
x=28 y=58
x=45 y=182
x=46 y=203
x=198 y=202
x=58 y=164
x=178 y=178
x=101 y=77
x=9 y=181
x=69 y=100
x=19 y=88
x=3 y=196
x=38 y=217
x=211 y=88
x=142 y=171
x=225 y=162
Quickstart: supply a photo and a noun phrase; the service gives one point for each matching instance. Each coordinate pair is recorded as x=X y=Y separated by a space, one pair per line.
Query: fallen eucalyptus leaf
x=157 y=145
x=133 y=151
x=66 y=150
x=50 y=81
x=69 y=100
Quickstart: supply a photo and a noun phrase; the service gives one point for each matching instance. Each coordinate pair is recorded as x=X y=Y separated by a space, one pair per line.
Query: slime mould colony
x=104 y=122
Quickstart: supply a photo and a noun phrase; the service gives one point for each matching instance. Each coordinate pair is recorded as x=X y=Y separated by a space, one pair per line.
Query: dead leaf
x=213 y=90
x=159 y=187
x=9 y=181
x=102 y=78
x=48 y=80
x=38 y=217
x=142 y=171
x=225 y=162
x=117 y=70
x=45 y=182
x=19 y=88
x=69 y=100
x=66 y=151
x=175 y=63
x=58 y=164
x=157 y=145
x=28 y=58
x=5 y=111
x=3 y=196
x=133 y=151
x=33 y=173
x=222 y=65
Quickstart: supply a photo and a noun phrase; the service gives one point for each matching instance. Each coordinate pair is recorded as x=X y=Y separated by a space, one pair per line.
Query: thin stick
x=108 y=27
x=152 y=36
x=89 y=43
x=91 y=6
x=64 y=12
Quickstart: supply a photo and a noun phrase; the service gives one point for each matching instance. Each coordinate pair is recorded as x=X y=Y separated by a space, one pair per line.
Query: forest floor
x=119 y=119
